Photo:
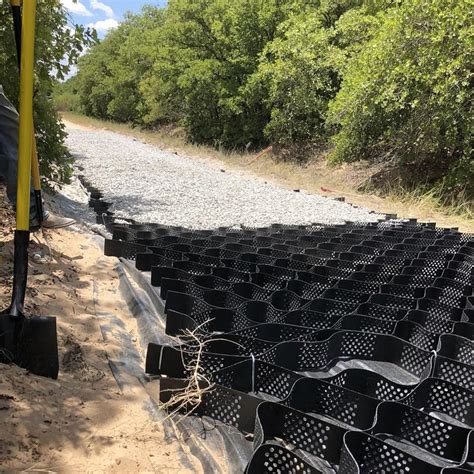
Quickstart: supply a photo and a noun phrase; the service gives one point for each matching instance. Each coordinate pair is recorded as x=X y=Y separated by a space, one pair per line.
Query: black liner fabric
x=281 y=310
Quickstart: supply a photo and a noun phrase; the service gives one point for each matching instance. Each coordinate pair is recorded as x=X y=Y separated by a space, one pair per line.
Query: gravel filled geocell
x=151 y=185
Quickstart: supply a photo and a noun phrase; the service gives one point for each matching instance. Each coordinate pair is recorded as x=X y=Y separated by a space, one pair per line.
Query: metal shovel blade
x=28 y=341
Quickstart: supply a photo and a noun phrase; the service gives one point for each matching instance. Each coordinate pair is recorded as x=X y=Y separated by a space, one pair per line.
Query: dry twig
x=188 y=398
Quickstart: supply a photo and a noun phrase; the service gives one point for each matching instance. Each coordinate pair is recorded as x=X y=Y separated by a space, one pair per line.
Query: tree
x=109 y=78
x=407 y=96
x=58 y=45
x=208 y=52
x=301 y=70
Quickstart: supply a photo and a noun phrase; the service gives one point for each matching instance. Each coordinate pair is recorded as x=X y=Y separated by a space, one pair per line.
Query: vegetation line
x=384 y=81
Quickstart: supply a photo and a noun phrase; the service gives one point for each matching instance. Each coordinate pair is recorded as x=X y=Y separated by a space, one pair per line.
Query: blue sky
x=105 y=14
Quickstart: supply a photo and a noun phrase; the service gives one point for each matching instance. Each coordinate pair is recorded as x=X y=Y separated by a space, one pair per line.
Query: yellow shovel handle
x=16 y=6
x=25 y=143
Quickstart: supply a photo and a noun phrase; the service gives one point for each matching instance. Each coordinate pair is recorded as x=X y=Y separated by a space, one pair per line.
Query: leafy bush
x=209 y=50
x=407 y=96
x=65 y=97
x=57 y=48
x=108 y=84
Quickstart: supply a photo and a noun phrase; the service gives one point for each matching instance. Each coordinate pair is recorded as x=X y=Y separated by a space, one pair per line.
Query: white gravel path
x=151 y=185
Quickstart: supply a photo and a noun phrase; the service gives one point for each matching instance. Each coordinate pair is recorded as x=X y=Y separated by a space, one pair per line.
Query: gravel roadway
x=151 y=185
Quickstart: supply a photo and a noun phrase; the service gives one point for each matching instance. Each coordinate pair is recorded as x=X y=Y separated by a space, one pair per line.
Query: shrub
x=407 y=96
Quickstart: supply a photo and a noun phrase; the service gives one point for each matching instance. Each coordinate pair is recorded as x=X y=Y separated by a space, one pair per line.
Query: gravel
x=151 y=185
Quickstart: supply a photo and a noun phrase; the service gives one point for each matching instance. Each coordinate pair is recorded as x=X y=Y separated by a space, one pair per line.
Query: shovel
x=16 y=14
x=30 y=342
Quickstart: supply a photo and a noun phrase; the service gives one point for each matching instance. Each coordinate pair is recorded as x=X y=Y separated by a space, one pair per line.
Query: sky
x=104 y=15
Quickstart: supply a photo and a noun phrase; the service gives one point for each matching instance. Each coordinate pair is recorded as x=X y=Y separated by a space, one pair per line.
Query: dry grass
x=316 y=176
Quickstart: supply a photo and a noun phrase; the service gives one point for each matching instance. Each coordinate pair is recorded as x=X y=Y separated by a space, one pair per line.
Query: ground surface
x=84 y=422
x=151 y=185
x=81 y=422
x=316 y=176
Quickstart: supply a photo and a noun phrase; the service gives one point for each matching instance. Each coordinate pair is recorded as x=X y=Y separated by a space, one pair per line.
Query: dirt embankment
x=81 y=422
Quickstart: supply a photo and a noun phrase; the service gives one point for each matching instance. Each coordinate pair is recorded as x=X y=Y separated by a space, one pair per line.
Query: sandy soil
x=81 y=422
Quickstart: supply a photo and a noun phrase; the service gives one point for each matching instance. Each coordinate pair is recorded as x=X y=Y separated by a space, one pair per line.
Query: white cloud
x=104 y=25
x=96 y=5
x=76 y=7
x=72 y=72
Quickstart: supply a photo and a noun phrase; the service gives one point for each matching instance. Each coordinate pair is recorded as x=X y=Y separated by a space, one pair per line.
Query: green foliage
x=111 y=72
x=384 y=80
x=297 y=72
x=407 y=97
x=187 y=64
x=302 y=69
x=57 y=47
x=66 y=97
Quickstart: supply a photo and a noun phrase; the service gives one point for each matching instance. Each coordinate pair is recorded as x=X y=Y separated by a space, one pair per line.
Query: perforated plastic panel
x=359 y=334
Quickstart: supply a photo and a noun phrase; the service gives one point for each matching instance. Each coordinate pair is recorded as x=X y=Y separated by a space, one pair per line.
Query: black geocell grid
x=340 y=348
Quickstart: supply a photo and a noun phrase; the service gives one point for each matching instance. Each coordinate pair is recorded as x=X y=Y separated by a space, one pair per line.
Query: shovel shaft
x=39 y=206
x=35 y=163
x=20 y=272
x=26 y=115
x=16 y=14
